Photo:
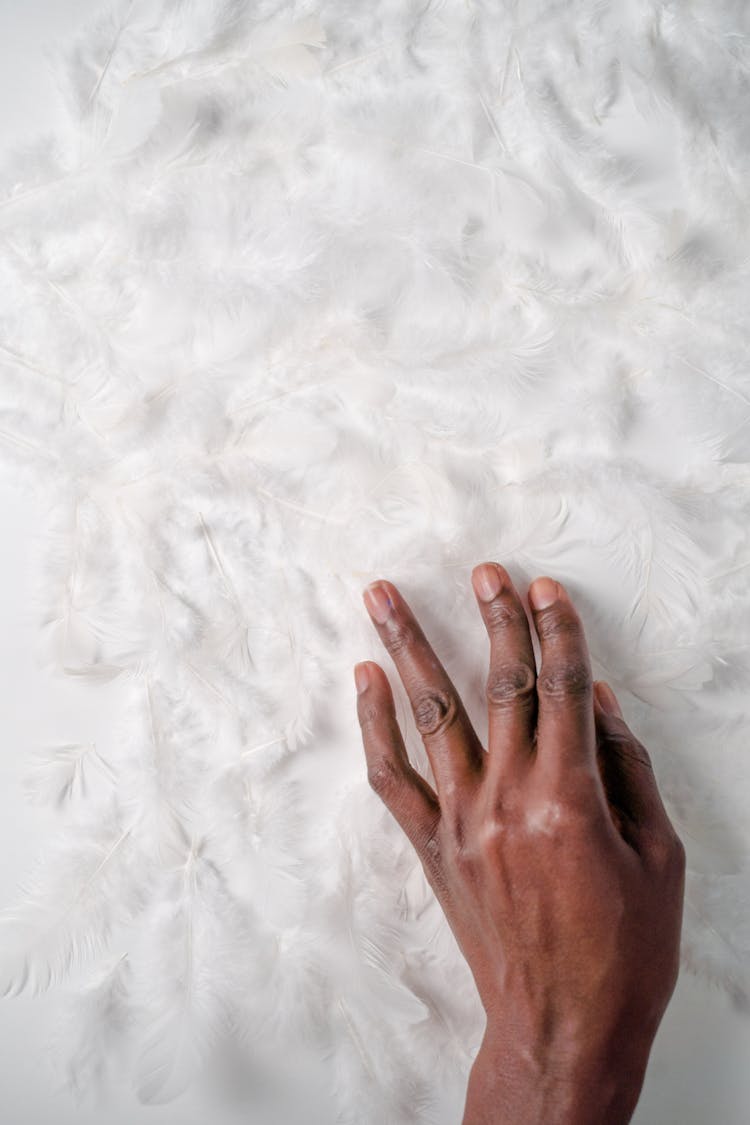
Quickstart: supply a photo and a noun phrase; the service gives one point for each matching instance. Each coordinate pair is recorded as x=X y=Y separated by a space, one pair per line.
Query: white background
x=698 y=1071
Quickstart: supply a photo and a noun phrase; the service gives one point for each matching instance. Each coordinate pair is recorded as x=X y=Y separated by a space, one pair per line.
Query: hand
x=551 y=854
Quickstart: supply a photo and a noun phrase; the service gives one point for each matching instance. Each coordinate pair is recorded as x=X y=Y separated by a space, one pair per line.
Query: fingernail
x=379 y=605
x=607 y=698
x=486 y=581
x=361 y=677
x=543 y=592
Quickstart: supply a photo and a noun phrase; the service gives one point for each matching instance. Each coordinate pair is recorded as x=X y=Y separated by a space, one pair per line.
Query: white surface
x=698 y=1070
x=39 y=707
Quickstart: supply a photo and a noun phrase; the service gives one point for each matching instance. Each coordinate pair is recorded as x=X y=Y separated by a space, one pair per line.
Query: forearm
x=510 y=1085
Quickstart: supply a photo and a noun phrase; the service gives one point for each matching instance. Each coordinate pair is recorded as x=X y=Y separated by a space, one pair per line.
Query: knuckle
x=568 y=817
x=370 y=713
x=657 y=849
x=555 y=623
x=467 y=859
x=680 y=854
x=383 y=776
x=677 y=859
x=400 y=638
x=558 y=818
x=666 y=851
x=636 y=753
x=627 y=748
x=434 y=711
x=453 y=830
x=507 y=682
x=613 y=731
x=501 y=613
x=568 y=679
x=492 y=836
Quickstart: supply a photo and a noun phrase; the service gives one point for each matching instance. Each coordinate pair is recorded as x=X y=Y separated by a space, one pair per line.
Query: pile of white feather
x=300 y=296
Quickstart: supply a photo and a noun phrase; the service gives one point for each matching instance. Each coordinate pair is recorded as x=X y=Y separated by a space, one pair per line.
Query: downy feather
x=67 y=907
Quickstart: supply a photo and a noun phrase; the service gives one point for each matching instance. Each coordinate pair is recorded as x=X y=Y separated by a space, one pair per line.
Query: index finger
x=453 y=746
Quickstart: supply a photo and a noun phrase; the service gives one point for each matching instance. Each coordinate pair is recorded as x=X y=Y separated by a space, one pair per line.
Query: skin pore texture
x=550 y=852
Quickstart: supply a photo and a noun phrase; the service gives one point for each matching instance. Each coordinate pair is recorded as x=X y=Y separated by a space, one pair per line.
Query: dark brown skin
x=550 y=852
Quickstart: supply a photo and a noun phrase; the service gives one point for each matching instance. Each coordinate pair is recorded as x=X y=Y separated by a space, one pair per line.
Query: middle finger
x=511 y=681
x=453 y=746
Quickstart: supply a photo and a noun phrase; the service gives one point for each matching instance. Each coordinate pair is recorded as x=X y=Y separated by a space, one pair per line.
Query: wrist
x=512 y=1083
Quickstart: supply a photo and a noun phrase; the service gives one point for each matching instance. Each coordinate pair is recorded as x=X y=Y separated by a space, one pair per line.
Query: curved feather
x=70 y=903
x=191 y=971
x=61 y=774
x=95 y=1030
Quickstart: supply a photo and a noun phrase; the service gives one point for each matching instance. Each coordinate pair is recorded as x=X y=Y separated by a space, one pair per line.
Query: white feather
x=61 y=774
x=197 y=935
x=68 y=906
